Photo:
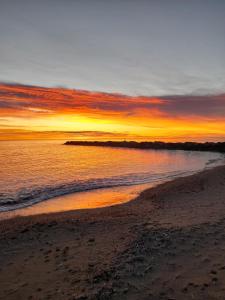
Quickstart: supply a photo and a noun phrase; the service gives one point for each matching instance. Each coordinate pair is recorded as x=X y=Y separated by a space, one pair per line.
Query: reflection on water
x=84 y=200
x=33 y=171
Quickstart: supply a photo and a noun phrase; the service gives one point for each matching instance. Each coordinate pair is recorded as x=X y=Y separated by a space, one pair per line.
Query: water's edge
x=109 y=186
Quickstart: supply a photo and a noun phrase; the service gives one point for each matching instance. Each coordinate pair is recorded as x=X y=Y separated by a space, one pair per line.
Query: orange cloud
x=39 y=109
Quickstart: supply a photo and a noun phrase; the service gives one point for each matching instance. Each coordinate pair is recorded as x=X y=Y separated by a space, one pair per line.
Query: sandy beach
x=169 y=243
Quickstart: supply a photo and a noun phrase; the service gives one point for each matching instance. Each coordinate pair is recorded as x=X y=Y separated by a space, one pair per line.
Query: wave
x=29 y=196
x=213 y=161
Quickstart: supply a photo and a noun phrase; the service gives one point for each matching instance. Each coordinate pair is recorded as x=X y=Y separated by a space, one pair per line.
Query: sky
x=147 y=69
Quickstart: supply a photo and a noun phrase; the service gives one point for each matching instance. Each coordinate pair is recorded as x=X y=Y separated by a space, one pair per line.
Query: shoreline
x=92 y=199
x=166 y=243
x=85 y=200
x=152 y=193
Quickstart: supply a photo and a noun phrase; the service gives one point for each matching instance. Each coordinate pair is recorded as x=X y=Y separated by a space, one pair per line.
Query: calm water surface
x=33 y=171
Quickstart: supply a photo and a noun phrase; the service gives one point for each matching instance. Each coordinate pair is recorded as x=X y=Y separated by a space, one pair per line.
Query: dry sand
x=169 y=243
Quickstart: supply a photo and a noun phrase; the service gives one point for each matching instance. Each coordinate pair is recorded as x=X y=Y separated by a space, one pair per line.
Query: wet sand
x=169 y=243
x=82 y=200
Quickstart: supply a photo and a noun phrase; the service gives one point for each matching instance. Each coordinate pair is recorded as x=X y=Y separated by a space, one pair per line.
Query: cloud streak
x=68 y=110
x=19 y=100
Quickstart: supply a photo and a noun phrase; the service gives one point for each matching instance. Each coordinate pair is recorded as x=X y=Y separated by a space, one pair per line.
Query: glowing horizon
x=34 y=112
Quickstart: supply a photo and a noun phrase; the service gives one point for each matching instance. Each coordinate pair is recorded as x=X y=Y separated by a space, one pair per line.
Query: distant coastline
x=187 y=146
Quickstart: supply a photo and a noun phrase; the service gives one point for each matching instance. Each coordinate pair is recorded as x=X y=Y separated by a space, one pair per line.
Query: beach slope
x=169 y=243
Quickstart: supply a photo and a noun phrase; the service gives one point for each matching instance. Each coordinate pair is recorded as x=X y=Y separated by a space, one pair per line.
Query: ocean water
x=34 y=171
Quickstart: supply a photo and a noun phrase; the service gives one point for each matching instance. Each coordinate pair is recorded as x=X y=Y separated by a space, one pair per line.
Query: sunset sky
x=94 y=69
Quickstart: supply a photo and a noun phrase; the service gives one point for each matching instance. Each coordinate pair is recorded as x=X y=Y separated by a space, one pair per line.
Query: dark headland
x=187 y=146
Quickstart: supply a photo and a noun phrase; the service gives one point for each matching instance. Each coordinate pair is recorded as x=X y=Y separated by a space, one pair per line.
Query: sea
x=33 y=172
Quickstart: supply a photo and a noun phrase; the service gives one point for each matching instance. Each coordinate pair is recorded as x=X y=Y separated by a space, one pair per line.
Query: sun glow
x=34 y=112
